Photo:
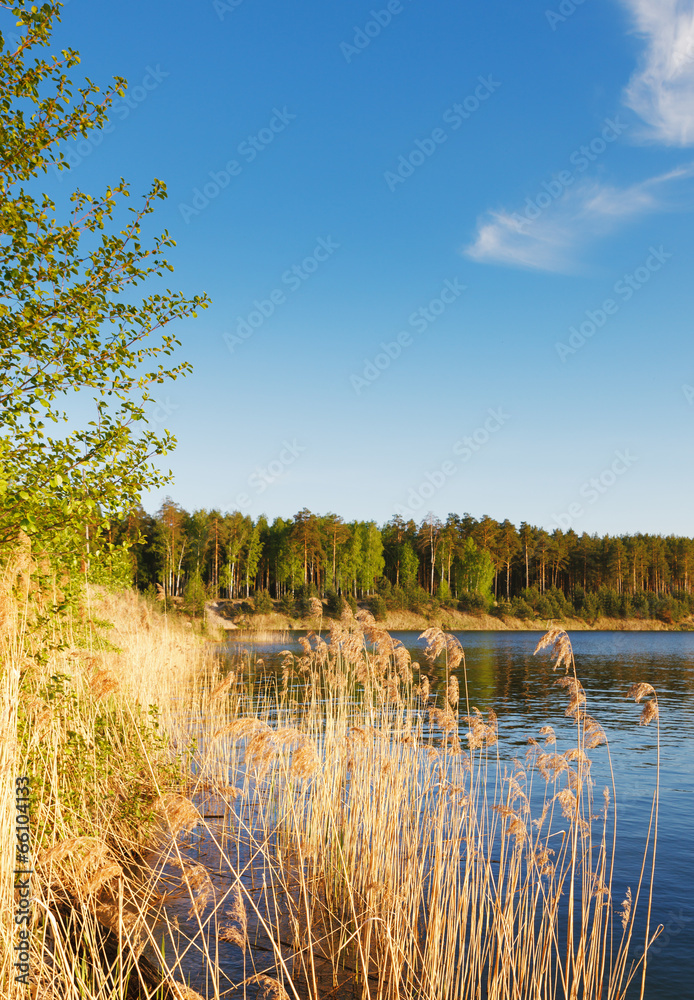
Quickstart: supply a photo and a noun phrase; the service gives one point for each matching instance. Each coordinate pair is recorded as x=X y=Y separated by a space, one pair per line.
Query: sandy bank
x=229 y=615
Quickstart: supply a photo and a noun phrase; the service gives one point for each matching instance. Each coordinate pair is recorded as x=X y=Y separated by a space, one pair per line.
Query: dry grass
x=409 y=865
x=368 y=840
x=77 y=692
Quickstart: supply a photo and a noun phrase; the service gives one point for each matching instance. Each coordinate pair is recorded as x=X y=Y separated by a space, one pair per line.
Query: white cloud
x=552 y=228
x=661 y=91
x=546 y=237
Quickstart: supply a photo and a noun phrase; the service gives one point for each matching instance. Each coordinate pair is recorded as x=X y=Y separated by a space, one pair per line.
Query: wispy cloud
x=552 y=228
x=661 y=91
x=550 y=238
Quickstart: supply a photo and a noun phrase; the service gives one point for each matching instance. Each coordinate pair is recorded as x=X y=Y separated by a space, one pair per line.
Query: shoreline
x=220 y=614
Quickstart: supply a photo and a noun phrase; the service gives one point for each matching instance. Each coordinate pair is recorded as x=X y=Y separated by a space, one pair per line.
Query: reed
x=412 y=865
x=80 y=695
x=363 y=837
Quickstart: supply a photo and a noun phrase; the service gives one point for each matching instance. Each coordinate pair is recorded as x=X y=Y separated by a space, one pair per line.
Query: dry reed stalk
x=177 y=813
x=13 y=615
x=270 y=989
x=453 y=692
x=235 y=925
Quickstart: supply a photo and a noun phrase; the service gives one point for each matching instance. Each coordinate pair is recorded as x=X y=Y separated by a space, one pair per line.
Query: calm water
x=503 y=674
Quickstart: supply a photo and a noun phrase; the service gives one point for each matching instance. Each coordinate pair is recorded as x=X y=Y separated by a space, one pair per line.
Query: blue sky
x=402 y=213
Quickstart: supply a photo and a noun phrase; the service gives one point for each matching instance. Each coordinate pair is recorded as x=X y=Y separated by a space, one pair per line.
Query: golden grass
x=369 y=839
x=76 y=693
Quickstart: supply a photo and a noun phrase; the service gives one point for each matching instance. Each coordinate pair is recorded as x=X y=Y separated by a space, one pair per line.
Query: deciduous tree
x=68 y=324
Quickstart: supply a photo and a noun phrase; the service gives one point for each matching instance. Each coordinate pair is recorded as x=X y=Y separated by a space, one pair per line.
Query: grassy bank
x=363 y=838
x=94 y=688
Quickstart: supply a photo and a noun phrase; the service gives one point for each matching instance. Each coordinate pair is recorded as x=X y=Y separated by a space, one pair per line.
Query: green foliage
x=409 y=565
x=288 y=605
x=66 y=324
x=473 y=603
x=474 y=569
x=111 y=568
x=417 y=599
x=589 y=607
x=195 y=596
x=325 y=555
x=377 y=607
x=302 y=597
x=520 y=608
x=335 y=604
x=104 y=758
x=263 y=602
x=396 y=598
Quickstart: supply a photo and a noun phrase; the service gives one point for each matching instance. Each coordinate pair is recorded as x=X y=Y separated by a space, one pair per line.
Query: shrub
x=195 y=596
x=502 y=608
x=473 y=603
x=666 y=611
x=263 y=602
x=639 y=603
x=417 y=599
x=531 y=595
x=397 y=598
x=335 y=603
x=625 y=606
x=521 y=609
x=443 y=594
x=590 y=609
x=544 y=608
x=561 y=607
x=608 y=601
x=302 y=598
x=287 y=605
x=377 y=607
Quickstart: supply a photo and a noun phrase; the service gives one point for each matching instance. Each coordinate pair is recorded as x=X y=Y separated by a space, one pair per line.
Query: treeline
x=476 y=564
